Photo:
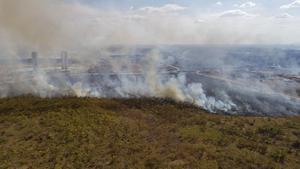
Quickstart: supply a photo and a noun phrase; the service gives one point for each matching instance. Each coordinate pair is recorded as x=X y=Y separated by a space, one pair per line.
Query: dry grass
x=140 y=133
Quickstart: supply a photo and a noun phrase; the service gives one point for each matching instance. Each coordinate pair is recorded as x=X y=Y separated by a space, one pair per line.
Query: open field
x=140 y=133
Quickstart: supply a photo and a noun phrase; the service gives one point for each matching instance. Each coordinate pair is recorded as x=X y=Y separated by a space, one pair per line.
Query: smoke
x=32 y=23
x=55 y=24
x=92 y=36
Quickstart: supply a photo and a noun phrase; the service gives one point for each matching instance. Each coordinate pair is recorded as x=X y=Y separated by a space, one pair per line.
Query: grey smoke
x=89 y=34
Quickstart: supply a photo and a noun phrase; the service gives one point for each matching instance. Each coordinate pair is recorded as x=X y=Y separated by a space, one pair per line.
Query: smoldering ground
x=219 y=89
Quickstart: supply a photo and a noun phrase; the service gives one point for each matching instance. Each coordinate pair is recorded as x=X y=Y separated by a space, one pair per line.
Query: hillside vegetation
x=140 y=133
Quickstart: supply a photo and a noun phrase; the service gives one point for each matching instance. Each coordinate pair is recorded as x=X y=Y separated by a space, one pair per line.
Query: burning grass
x=139 y=133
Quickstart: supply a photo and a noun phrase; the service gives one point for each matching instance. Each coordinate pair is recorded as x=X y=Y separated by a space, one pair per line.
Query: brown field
x=140 y=133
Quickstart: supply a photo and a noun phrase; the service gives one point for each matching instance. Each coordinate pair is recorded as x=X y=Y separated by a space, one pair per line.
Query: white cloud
x=295 y=4
x=245 y=5
x=236 y=13
x=219 y=3
x=284 y=16
x=168 y=8
x=248 y=4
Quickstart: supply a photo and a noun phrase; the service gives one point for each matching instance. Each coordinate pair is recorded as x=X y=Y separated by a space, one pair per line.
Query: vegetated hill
x=140 y=133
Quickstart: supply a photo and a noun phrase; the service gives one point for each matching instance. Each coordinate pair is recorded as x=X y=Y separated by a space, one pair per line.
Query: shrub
x=269 y=131
x=190 y=132
x=278 y=155
x=296 y=145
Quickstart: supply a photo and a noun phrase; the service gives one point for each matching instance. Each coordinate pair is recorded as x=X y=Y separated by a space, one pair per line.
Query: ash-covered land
x=245 y=80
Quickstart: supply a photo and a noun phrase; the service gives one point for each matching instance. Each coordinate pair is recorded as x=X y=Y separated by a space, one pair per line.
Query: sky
x=267 y=7
x=46 y=23
x=254 y=21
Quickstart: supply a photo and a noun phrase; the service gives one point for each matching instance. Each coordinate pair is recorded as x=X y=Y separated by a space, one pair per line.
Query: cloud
x=235 y=13
x=219 y=3
x=284 y=16
x=295 y=4
x=168 y=8
x=248 y=4
x=245 y=5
